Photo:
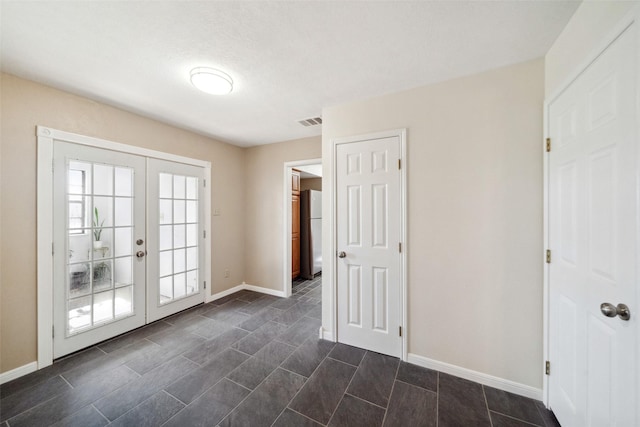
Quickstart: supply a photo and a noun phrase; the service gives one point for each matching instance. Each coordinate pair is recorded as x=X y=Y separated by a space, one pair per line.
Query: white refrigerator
x=310 y=233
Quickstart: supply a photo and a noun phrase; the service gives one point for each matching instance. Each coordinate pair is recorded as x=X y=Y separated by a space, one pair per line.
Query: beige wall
x=474 y=171
x=311 y=184
x=264 y=232
x=24 y=105
x=592 y=22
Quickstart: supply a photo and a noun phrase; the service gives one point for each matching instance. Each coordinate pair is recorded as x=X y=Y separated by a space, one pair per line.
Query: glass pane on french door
x=99 y=213
x=175 y=237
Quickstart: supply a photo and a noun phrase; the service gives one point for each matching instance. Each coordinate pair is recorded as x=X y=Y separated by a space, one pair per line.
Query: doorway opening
x=303 y=223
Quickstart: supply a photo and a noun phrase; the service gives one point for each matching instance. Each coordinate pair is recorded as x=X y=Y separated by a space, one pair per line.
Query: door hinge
x=400 y=247
x=205 y=284
x=52 y=249
x=547 y=368
x=548 y=256
x=399 y=163
x=204 y=181
x=204 y=234
x=400 y=331
x=53 y=332
x=548 y=145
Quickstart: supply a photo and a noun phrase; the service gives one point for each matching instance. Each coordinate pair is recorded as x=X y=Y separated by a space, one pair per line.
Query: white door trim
x=598 y=49
x=329 y=265
x=45 y=138
x=286 y=209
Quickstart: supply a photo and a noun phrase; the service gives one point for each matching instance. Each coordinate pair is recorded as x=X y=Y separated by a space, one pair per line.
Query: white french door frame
x=329 y=263
x=45 y=141
x=286 y=209
x=632 y=17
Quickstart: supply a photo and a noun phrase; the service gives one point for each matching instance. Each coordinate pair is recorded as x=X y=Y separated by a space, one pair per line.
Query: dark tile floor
x=251 y=360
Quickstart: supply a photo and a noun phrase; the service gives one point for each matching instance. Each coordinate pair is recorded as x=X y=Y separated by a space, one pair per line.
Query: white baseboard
x=326 y=335
x=260 y=289
x=11 y=375
x=245 y=286
x=224 y=293
x=479 y=377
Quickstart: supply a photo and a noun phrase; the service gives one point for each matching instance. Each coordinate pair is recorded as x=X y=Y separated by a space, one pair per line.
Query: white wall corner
x=224 y=293
x=479 y=377
x=262 y=290
x=11 y=375
x=326 y=335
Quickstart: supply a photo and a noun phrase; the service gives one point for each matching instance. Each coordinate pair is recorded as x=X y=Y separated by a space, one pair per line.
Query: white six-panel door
x=368 y=216
x=593 y=238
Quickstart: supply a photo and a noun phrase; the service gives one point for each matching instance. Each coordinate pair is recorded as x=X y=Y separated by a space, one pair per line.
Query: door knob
x=139 y=242
x=140 y=254
x=342 y=254
x=611 y=310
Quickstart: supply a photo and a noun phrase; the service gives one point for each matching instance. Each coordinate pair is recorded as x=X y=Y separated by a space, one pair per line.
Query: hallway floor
x=251 y=360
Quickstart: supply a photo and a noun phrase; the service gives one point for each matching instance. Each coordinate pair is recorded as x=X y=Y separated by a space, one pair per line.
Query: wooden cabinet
x=295 y=223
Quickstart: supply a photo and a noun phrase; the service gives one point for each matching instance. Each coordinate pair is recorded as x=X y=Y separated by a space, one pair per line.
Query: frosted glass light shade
x=211 y=81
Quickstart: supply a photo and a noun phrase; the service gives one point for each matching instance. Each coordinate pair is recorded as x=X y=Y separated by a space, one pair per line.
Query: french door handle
x=342 y=254
x=140 y=254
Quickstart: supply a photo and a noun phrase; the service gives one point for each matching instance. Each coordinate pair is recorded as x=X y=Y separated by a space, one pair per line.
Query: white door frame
x=45 y=138
x=329 y=265
x=286 y=210
x=598 y=49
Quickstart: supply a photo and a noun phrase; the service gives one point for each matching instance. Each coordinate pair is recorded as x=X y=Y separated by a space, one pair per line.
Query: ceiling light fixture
x=211 y=81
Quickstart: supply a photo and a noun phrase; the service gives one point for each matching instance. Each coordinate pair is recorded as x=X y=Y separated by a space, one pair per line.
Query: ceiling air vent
x=311 y=122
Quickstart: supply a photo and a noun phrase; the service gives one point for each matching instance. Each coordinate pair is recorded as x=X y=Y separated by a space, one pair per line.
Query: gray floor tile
x=374 y=378
x=274 y=353
x=290 y=418
x=348 y=354
x=300 y=331
x=259 y=338
x=354 y=412
x=210 y=348
x=257 y=305
x=133 y=336
x=418 y=376
x=211 y=329
x=117 y=403
x=196 y=382
x=26 y=399
x=549 y=418
x=71 y=401
x=251 y=373
x=308 y=356
x=87 y=371
x=260 y=318
x=227 y=315
x=85 y=417
x=411 y=406
x=460 y=402
x=284 y=303
x=265 y=403
x=323 y=391
x=315 y=312
x=250 y=296
x=235 y=304
x=158 y=355
x=293 y=314
x=500 y=420
x=513 y=405
x=152 y=412
x=211 y=407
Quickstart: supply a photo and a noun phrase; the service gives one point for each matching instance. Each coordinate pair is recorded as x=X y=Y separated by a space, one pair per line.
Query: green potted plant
x=97 y=229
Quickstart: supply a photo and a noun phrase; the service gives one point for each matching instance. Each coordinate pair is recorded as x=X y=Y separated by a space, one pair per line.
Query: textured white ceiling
x=288 y=59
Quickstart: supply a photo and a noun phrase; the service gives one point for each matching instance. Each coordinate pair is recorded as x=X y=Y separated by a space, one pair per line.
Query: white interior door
x=99 y=211
x=175 y=239
x=593 y=237
x=368 y=216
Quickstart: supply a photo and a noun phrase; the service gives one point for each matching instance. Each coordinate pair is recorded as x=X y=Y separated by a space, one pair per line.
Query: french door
x=127 y=242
